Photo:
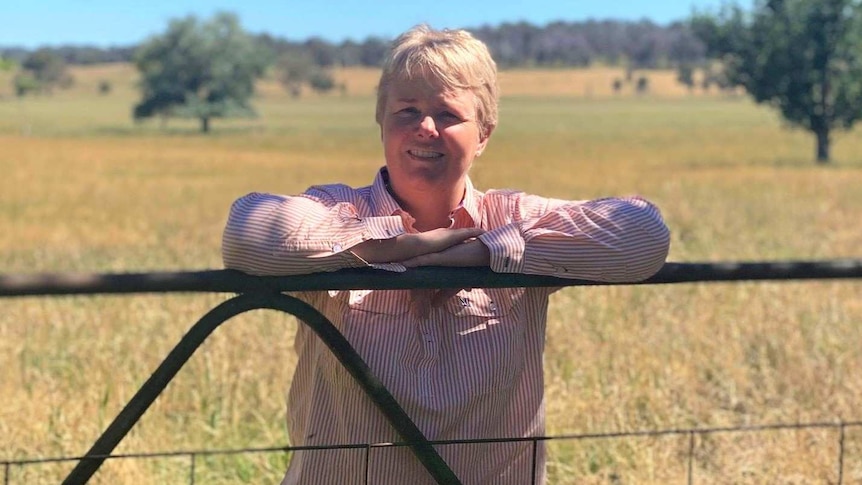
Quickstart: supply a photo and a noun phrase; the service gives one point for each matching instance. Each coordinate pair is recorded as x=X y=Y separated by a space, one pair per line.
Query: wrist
x=374 y=250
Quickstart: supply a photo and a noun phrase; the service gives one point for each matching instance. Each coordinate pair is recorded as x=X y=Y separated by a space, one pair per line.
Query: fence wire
x=839 y=427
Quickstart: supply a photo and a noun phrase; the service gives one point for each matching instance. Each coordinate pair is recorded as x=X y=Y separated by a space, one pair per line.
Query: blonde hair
x=452 y=59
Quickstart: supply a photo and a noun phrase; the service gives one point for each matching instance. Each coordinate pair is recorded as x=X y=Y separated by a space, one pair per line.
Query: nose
x=427 y=127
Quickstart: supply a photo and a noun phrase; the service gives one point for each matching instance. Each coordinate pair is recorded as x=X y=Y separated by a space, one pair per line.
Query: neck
x=430 y=207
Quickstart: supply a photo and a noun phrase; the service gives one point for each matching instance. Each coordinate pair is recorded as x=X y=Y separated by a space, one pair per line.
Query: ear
x=483 y=140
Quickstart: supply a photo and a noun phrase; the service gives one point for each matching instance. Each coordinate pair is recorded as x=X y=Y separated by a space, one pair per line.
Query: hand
x=440 y=247
x=406 y=247
x=470 y=253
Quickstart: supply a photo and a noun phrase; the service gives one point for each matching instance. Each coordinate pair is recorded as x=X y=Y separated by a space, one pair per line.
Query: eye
x=408 y=112
x=449 y=118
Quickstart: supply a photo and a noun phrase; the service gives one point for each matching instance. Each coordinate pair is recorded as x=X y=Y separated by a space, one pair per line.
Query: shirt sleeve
x=613 y=240
x=269 y=234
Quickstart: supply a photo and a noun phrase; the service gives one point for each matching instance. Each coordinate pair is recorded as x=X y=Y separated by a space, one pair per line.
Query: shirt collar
x=470 y=203
x=382 y=200
x=384 y=203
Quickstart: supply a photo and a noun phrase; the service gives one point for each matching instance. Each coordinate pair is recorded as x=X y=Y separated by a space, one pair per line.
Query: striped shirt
x=469 y=369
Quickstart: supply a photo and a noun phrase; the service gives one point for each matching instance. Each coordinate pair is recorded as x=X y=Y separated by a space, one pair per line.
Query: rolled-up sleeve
x=269 y=234
x=607 y=240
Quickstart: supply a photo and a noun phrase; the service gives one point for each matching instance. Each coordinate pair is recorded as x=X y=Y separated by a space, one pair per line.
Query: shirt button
x=493 y=307
x=336 y=248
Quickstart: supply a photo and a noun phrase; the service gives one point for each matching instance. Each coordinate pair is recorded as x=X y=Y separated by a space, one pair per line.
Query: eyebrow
x=458 y=108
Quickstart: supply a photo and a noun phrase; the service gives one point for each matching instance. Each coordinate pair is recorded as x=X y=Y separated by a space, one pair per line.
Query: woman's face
x=430 y=136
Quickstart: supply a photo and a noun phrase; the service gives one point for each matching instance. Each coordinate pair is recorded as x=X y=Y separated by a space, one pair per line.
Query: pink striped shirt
x=471 y=368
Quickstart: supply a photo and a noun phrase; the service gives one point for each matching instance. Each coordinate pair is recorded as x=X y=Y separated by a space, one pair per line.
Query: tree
x=803 y=57
x=685 y=76
x=200 y=70
x=322 y=53
x=43 y=70
x=25 y=83
x=105 y=87
x=372 y=51
x=7 y=64
x=295 y=68
x=642 y=85
x=645 y=45
x=321 y=81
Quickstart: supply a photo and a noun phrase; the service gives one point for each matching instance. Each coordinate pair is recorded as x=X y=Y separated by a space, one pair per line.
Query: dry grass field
x=85 y=189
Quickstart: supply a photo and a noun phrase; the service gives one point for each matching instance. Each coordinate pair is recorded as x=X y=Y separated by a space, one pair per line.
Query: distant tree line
x=205 y=69
x=638 y=45
x=74 y=55
x=801 y=57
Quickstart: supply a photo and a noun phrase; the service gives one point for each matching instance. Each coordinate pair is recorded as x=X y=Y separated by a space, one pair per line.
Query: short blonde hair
x=454 y=59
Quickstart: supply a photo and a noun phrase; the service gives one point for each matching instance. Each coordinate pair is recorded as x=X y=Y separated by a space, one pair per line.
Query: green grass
x=85 y=189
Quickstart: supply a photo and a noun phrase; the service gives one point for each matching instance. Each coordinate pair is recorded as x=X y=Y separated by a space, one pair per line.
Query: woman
x=463 y=365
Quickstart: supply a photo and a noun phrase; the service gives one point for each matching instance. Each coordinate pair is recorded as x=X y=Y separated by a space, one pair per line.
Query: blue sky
x=33 y=23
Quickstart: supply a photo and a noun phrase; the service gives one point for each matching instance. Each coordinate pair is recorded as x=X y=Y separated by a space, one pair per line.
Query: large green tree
x=200 y=70
x=804 y=57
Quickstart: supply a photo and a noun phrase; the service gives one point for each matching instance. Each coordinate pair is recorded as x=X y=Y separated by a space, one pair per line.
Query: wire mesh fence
x=691 y=436
x=268 y=292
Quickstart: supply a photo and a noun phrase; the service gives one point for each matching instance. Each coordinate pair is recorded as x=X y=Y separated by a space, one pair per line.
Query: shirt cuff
x=506 y=245
x=383 y=227
x=392 y=267
x=369 y=229
x=354 y=261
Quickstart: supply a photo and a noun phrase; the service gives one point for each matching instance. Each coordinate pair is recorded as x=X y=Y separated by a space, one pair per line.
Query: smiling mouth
x=424 y=154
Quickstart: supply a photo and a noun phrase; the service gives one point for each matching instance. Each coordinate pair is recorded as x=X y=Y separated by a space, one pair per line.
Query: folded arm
x=285 y=235
x=609 y=240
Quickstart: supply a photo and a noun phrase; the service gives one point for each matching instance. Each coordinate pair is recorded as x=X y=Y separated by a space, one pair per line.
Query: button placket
x=430 y=343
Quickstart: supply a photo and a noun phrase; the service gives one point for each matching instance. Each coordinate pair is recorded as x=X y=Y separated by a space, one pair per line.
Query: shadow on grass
x=782 y=163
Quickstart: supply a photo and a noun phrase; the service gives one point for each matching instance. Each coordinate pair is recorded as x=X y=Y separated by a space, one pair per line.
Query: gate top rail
x=232 y=281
